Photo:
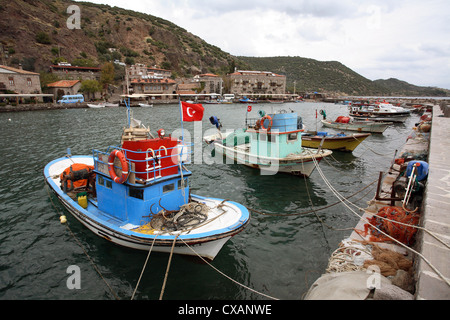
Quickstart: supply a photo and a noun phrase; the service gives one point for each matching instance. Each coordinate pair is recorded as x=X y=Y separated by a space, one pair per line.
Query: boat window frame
x=137 y=193
x=168 y=187
x=290 y=137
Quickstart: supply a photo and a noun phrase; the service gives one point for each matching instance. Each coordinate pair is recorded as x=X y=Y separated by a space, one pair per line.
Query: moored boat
x=380 y=111
x=272 y=144
x=137 y=195
x=336 y=142
x=348 y=123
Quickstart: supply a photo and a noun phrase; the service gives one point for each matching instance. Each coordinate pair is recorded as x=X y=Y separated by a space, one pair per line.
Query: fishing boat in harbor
x=137 y=195
x=271 y=143
x=145 y=105
x=348 y=123
x=380 y=111
x=102 y=105
x=336 y=142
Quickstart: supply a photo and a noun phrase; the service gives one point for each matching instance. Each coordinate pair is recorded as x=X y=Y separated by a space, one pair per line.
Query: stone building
x=261 y=83
x=209 y=83
x=68 y=72
x=19 y=81
x=164 y=88
x=64 y=87
x=140 y=70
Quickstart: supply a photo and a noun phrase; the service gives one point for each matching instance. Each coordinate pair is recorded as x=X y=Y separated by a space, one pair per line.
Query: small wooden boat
x=273 y=145
x=95 y=106
x=348 y=123
x=335 y=142
x=146 y=105
x=137 y=195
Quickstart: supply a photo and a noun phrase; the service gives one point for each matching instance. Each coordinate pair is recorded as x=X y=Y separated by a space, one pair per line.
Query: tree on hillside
x=107 y=74
x=90 y=87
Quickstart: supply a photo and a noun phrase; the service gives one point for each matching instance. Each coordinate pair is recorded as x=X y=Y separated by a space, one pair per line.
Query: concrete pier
x=346 y=276
x=436 y=214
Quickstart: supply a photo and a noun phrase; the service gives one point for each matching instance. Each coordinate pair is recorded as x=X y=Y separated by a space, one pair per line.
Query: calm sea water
x=280 y=256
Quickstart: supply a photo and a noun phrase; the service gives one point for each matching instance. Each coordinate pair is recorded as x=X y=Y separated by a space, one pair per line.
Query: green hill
x=312 y=75
x=34 y=34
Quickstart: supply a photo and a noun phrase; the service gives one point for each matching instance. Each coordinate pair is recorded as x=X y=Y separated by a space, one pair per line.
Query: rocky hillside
x=35 y=34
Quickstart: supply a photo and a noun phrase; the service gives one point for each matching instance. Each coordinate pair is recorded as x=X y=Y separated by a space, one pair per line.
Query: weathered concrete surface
x=436 y=215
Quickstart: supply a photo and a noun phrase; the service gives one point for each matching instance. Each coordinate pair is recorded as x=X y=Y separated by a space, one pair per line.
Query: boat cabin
x=276 y=135
x=141 y=175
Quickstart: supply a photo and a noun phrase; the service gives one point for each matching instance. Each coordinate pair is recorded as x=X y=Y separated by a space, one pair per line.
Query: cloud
x=378 y=39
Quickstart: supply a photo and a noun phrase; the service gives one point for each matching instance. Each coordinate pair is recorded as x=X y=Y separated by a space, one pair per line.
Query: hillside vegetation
x=312 y=75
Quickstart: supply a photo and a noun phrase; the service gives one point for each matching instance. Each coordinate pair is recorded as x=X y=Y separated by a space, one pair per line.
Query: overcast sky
x=404 y=39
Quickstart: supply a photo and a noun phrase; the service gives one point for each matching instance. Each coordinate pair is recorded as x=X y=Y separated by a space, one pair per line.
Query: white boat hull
x=360 y=126
x=302 y=164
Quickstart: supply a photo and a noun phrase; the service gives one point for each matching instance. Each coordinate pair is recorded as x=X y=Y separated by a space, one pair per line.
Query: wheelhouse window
x=136 y=193
x=292 y=136
x=168 y=187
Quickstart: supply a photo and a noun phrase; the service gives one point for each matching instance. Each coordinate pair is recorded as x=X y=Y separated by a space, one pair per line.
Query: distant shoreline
x=54 y=106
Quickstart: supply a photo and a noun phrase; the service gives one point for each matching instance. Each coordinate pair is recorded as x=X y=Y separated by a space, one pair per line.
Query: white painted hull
x=302 y=164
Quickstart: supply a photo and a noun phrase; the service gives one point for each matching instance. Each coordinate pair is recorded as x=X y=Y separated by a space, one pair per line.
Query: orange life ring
x=123 y=162
x=266 y=117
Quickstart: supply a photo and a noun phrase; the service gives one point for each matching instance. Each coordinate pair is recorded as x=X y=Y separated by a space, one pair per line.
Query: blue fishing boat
x=137 y=194
x=271 y=143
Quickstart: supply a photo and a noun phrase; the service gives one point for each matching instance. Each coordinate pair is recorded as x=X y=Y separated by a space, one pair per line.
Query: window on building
x=29 y=83
x=11 y=81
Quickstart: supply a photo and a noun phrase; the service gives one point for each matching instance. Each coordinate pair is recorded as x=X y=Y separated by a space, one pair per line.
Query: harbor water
x=280 y=254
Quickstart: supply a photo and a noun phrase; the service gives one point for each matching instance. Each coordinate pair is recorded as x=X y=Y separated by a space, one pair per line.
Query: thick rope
x=168 y=267
x=382 y=232
x=143 y=268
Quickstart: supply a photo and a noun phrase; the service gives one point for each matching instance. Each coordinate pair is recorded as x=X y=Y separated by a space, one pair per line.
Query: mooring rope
x=143 y=268
x=229 y=278
x=168 y=267
x=336 y=193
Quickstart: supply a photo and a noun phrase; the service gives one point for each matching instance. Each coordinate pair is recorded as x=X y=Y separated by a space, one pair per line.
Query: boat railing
x=147 y=166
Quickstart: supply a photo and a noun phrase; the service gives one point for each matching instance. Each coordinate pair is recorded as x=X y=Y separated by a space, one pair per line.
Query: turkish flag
x=192 y=112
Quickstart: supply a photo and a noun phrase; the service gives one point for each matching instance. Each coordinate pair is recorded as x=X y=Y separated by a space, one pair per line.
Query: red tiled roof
x=63 y=84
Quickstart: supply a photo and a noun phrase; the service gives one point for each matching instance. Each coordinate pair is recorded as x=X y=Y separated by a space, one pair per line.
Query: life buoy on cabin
x=123 y=162
x=266 y=117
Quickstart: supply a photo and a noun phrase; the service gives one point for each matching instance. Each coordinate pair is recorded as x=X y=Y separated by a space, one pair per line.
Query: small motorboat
x=137 y=195
x=272 y=144
x=348 y=123
x=336 y=142
x=146 y=105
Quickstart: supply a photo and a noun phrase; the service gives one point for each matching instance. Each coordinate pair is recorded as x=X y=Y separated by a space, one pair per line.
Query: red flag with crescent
x=192 y=112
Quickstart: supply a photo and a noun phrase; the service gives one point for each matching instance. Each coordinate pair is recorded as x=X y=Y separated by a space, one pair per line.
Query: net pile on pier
x=386 y=220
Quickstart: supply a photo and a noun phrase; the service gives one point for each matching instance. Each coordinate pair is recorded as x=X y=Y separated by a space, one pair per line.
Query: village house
x=257 y=83
x=161 y=88
x=64 y=87
x=19 y=81
x=140 y=70
x=209 y=83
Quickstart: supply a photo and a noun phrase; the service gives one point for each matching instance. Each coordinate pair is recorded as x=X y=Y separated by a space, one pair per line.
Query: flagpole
x=181 y=118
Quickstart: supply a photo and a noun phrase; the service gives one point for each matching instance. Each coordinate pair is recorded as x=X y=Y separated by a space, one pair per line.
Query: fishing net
x=386 y=220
